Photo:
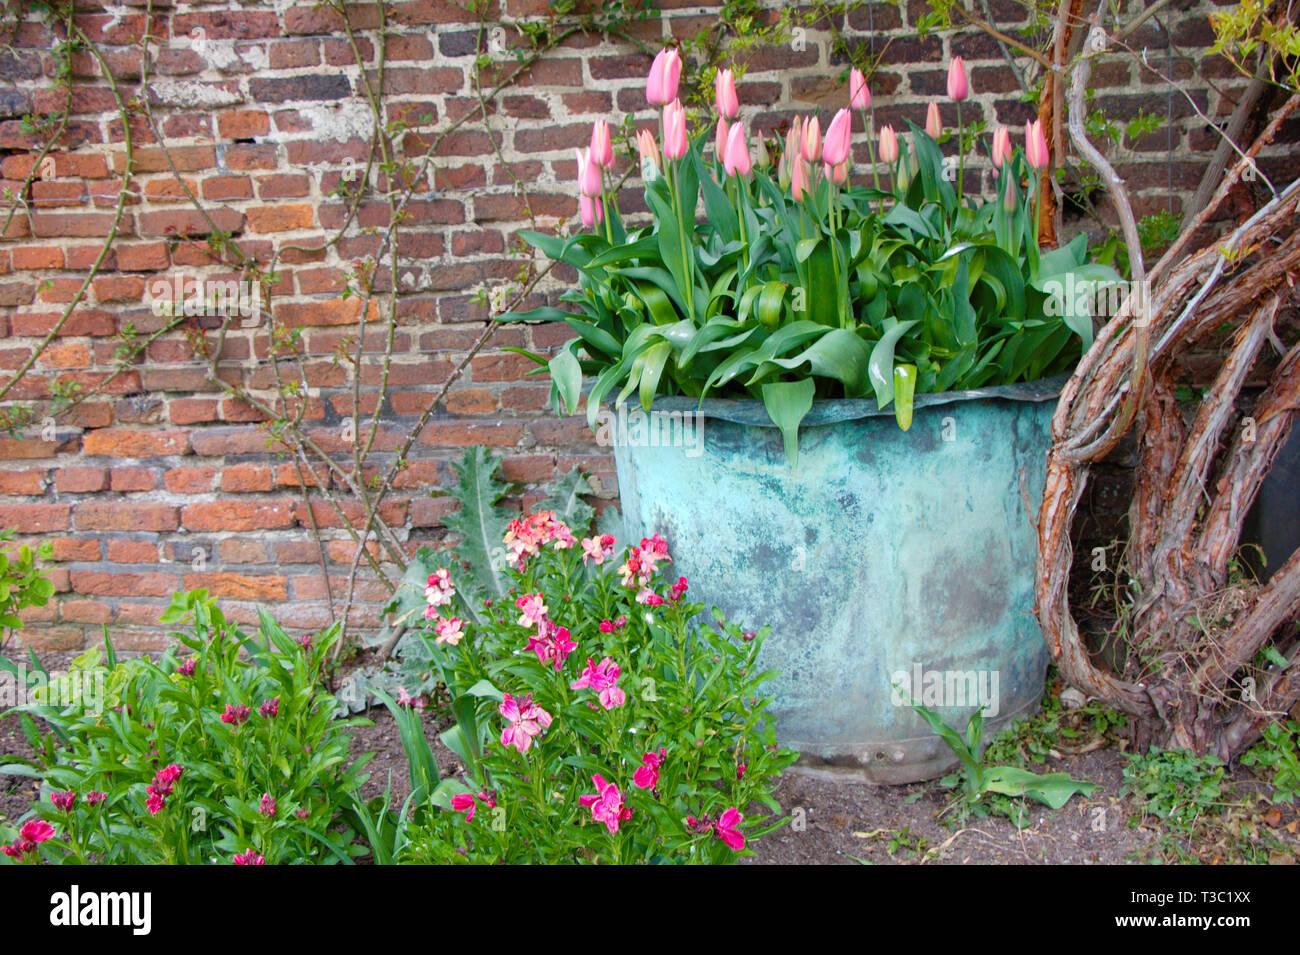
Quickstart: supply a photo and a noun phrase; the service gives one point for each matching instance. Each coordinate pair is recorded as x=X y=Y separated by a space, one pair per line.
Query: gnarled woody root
x=1189 y=670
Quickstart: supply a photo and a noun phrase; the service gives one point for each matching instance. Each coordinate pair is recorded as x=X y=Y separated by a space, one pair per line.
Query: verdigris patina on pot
x=885 y=561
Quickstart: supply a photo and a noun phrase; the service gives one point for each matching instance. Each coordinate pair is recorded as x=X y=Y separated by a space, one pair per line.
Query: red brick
x=143 y=257
x=238 y=515
x=190 y=480
x=124 y=443
x=242 y=550
x=239 y=586
x=133 y=479
x=246 y=478
x=99 y=584
x=35 y=518
x=283 y=186
x=126 y=515
x=85 y=611
x=219 y=188
x=133 y=552
x=193 y=410
x=243 y=123
x=72 y=548
x=281 y=217
x=21 y=482
x=37 y=257
x=81 y=480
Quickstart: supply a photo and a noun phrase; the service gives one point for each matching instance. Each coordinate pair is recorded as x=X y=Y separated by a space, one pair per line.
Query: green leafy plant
x=23 y=584
x=1174 y=784
x=979 y=779
x=802 y=284
x=229 y=754
x=657 y=748
x=1279 y=753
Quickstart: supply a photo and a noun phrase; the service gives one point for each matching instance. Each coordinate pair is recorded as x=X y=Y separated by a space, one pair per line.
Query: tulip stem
x=961 y=156
x=871 y=151
x=688 y=293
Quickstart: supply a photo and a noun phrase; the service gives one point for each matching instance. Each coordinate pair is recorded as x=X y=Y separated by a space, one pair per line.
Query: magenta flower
x=647 y=774
x=268 y=805
x=859 y=93
x=679 y=589
x=249 y=858
x=411 y=702
x=186 y=668
x=302 y=813
x=36 y=830
x=606 y=804
x=270 y=709
x=836 y=148
x=665 y=72
x=235 y=715
x=155 y=803
x=728 y=829
x=958 y=89
x=63 y=800
x=526 y=719
x=95 y=797
x=464 y=802
x=551 y=644
x=603 y=678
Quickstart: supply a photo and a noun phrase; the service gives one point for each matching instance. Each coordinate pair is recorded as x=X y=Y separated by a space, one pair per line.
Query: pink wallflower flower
x=305 y=641
x=591 y=548
x=603 y=678
x=14 y=851
x=186 y=668
x=63 y=800
x=438 y=588
x=154 y=803
x=302 y=813
x=699 y=825
x=526 y=719
x=634 y=575
x=450 y=631
x=235 y=715
x=534 y=609
x=607 y=626
x=268 y=805
x=679 y=589
x=95 y=797
x=167 y=776
x=647 y=775
x=606 y=804
x=649 y=598
x=551 y=643
x=728 y=829
x=36 y=830
x=249 y=858
x=466 y=803
x=740 y=771
x=405 y=699
x=270 y=709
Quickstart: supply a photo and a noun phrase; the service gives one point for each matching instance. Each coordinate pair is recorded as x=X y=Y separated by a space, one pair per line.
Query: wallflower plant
x=598 y=716
x=231 y=755
x=806 y=279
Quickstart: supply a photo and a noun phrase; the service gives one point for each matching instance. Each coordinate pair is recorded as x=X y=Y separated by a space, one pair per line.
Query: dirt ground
x=837 y=822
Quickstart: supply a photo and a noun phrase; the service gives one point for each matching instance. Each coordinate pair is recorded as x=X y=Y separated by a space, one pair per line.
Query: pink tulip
x=812 y=139
x=602 y=150
x=736 y=161
x=958 y=89
x=888 y=144
x=1036 y=152
x=1001 y=146
x=646 y=146
x=836 y=148
x=588 y=174
x=720 y=140
x=724 y=95
x=859 y=94
x=675 y=142
x=933 y=124
x=798 y=178
x=661 y=86
x=836 y=174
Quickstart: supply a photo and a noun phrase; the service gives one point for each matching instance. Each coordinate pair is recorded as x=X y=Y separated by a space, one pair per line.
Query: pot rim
x=751 y=411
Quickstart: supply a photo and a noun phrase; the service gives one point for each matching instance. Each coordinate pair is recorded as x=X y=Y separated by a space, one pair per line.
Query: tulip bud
x=1036 y=152
x=661 y=85
x=859 y=94
x=798 y=178
x=1009 y=198
x=1001 y=146
x=720 y=139
x=724 y=95
x=933 y=124
x=675 y=141
x=736 y=161
x=602 y=150
x=812 y=139
x=794 y=139
x=589 y=183
x=645 y=144
x=836 y=148
x=888 y=144
x=762 y=158
x=591 y=210
x=958 y=89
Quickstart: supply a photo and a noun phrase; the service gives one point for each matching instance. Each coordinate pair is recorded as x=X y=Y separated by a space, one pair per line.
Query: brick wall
x=160 y=482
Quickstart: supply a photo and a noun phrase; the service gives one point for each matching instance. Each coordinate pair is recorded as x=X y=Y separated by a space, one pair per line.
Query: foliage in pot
x=804 y=281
